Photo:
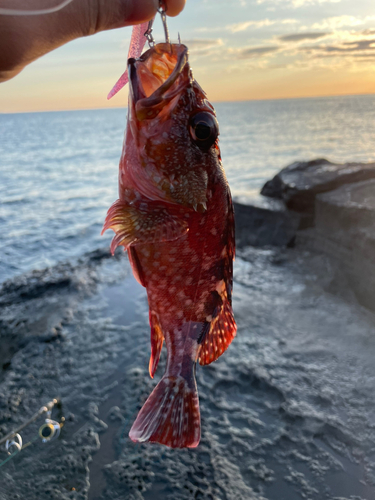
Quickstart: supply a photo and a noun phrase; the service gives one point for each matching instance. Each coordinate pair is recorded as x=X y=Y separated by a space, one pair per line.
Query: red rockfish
x=175 y=218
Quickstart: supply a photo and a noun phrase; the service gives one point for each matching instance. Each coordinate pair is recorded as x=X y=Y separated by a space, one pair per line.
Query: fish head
x=173 y=127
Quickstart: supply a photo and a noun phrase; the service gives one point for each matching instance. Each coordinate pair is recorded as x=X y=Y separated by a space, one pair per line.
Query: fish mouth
x=157 y=77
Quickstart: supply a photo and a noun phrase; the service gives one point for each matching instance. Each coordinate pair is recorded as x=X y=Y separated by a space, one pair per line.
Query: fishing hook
x=162 y=9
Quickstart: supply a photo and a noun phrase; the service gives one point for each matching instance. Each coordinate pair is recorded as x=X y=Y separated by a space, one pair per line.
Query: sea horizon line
x=325 y=96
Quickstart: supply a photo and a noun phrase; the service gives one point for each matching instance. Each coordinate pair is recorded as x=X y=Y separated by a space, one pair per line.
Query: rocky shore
x=321 y=206
x=287 y=412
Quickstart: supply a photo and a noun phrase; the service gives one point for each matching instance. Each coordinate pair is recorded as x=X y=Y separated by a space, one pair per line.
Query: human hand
x=26 y=38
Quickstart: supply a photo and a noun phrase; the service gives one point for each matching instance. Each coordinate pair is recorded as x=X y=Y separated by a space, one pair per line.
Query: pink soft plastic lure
x=137 y=42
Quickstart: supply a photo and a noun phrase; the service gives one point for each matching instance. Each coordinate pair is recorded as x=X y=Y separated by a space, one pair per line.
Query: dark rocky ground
x=287 y=413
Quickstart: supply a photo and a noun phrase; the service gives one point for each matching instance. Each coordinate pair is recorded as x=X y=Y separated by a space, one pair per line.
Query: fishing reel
x=50 y=430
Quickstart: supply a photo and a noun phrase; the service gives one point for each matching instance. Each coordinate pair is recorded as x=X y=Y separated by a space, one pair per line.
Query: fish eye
x=204 y=129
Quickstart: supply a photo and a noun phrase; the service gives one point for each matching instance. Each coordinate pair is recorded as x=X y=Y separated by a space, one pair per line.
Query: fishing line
x=50 y=10
x=48 y=431
x=12 y=455
x=44 y=409
x=9 y=458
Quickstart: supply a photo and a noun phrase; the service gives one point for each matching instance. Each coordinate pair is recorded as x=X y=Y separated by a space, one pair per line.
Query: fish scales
x=175 y=218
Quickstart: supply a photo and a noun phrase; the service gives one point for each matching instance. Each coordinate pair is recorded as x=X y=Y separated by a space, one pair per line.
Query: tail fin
x=170 y=415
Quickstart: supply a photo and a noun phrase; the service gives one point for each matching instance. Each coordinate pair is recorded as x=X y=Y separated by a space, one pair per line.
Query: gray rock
x=344 y=227
x=287 y=411
x=44 y=301
x=263 y=221
x=299 y=183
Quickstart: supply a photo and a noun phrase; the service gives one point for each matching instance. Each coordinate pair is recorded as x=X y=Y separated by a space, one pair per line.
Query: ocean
x=58 y=170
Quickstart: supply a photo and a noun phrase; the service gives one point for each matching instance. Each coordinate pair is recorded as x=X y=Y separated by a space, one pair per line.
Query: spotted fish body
x=175 y=218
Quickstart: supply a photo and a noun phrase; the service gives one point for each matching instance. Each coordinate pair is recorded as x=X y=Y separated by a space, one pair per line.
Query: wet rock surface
x=34 y=306
x=287 y=412
x=299 y=183
x=344 y=229
x=264 y=221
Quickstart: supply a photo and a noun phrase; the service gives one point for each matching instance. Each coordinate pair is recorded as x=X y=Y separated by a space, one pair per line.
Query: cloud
x=234 y=28
x=347 y=47
x=203 y=43
x=336 y=22
x=359 y=45
x=297 y=3
x=252 y=52
x=298 y=37
x=359 y=49
x=301 y=3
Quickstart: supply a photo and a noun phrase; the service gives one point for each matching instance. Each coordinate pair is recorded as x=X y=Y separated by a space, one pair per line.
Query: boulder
x=264 y=221
x=345 y=230
x=299 y=183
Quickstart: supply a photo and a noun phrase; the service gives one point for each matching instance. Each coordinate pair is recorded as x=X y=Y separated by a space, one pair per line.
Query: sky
x=239 y=50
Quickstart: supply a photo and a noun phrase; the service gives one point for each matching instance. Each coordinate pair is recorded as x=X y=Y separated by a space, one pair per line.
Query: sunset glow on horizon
x=264 y=49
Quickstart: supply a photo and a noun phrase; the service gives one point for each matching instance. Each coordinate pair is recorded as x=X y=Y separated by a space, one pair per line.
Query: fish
x=175 y=219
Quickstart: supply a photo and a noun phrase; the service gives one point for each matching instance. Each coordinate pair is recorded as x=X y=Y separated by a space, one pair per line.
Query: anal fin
x=157 y=339
x=220 y=335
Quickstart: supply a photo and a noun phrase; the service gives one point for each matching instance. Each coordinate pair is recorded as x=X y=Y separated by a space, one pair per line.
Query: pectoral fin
x=143 y=222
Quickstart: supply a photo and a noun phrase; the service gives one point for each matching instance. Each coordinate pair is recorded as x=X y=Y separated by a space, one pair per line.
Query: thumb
x=100 y=15
x=26 y=38
x=117 y=13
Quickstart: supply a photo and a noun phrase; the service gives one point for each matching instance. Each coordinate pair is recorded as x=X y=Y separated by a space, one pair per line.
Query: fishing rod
x=48 y=431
